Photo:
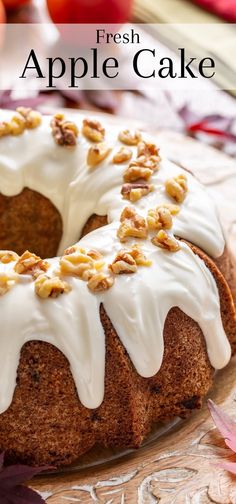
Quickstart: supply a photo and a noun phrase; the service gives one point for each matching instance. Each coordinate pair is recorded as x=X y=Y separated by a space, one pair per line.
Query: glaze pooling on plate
x=138 y=304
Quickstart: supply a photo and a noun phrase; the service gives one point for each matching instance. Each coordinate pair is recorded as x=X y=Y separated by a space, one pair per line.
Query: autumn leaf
x=12 y=479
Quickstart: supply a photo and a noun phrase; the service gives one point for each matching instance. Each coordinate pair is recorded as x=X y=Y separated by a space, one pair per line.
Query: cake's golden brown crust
x=46 y=422
x=29 y=221
x=94 y=222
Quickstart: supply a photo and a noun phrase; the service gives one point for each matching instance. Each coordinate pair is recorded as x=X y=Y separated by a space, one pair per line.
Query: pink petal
x=228 y=466
x=224 y=423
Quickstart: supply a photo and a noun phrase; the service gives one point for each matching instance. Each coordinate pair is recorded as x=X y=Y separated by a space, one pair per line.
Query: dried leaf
x=12 y=478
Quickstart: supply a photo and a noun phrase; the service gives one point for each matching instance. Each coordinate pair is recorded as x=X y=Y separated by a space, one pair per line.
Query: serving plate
x=177 y=465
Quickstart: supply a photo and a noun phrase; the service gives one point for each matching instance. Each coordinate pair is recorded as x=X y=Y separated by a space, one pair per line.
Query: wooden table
x=179 y=467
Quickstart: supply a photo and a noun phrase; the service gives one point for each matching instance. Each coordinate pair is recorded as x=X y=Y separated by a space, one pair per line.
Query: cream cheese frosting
x=34 y=160
x=138 y=304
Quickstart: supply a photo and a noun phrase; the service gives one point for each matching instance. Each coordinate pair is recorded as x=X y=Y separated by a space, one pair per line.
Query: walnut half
x=93 y=130
x=130 y=138
x=50 y=287
x=134 y=192
x=166 y=241
x=100 y=282
x=7 y=256
x=7 y=281
x=97 y=153
x=123 y=263
x=132 y=225
x=177 y=187
x=64 y=132
x=30 y=264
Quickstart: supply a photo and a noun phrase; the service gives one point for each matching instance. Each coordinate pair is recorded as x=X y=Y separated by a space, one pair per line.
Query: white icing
x=34 y=160
x=137 y=304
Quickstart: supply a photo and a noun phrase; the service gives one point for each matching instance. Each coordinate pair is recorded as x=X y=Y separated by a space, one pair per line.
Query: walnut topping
x=32 y=118
x=5 y=128
x=100 y=282
x=132 y=224
x=30 y=264
x=177 y=187
x=97 y=153
x=77 y=262
x=25 y=118
x=129 y=138
x=166 y=241
x=7 y=256
x=64 y=132
x=124 y=154
x=17 y=125
x=147 y=149
x=134 y=192
x=127 y=261
x=7 y=280
x=123 y=263
x=159 y=218
x=93 y=130
x=173 y=209
x=139 y=256
x=50 y=287
x=134 y=173
x=152 y=162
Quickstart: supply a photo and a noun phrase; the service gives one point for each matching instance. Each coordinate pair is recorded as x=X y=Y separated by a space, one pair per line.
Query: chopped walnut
x=97 y=153
x=124 y=154
x=93 y=130
x=151 y=163
x=7 y=281
x=166 y=241
x=50 y=287
x=7 y=256
x=30 y=264
x=173 y=209
x=25 y=118
x=32 y=118
x=77 y=262
x=129 y=138
x=95 y=255
x=5 y=129
x=132 y=224
x=147 y=149
x=127 y=261
x=17 y=125
x=139 y=256
x=64 y=132
x=100 y=282
x=159 y=218
x=134 y=173
x=177 y=187
x=134 y=192
x=123 y=263
x=127 y=213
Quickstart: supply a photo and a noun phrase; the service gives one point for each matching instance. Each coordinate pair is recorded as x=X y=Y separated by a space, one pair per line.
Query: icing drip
x=72 y=323
x=137 y=304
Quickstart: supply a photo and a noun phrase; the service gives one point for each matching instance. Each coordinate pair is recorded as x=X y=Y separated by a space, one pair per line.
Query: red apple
x=2 y=13
x=89 y=11
x=14 y=4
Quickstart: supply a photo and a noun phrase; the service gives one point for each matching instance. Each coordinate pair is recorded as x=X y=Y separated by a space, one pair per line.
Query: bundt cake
x=126 y=327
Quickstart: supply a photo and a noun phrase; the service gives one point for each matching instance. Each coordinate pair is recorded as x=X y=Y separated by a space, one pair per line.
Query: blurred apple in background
x=2 y=13
x=14 y=4
x=89 y=11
